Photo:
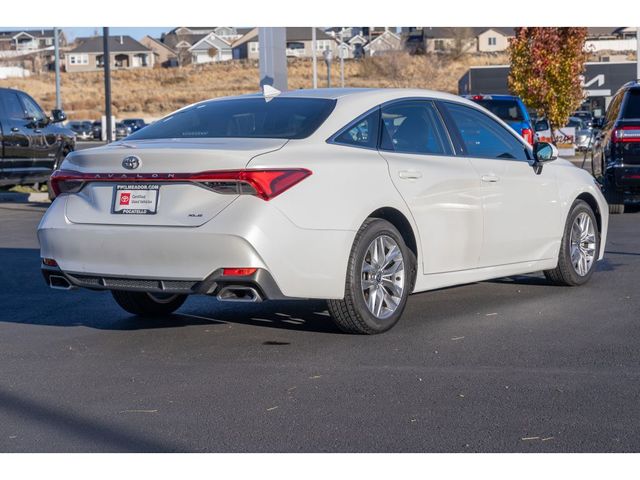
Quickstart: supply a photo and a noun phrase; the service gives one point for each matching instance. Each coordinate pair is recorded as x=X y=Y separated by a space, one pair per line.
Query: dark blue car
x=509 y=109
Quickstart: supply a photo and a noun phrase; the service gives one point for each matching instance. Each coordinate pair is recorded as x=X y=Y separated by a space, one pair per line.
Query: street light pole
x=56 y=56
x=107 y=82
x=313 y=55
x=638 y=53
x=341 y=58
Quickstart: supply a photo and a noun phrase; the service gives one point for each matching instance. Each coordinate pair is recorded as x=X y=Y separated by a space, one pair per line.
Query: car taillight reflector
x=527 y=134
x=626 y=135
x=238 y=272
x=265 y=183
x=50 y=262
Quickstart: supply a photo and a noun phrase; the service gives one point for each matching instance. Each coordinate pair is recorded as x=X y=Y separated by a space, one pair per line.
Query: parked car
x=510 y=109
x=82 y=128
x=585 y=116
x=134 y=124
x=357 y=196
x=122 y=130
x=583 y=137
x=33 y=143
x=616 y=157
x=96 y=128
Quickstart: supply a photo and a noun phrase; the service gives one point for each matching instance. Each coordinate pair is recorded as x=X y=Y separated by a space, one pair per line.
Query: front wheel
x=380 y=277
x=146 y=304
x=579 y=248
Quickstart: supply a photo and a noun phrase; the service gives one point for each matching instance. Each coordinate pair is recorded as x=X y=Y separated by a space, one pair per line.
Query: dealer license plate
x=135 y=199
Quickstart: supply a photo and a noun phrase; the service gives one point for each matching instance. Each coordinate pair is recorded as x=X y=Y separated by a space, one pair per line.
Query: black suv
x=32 y=145
x=616 y=155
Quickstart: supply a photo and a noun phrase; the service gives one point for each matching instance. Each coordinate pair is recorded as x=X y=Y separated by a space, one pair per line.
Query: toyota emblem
x=130 y=163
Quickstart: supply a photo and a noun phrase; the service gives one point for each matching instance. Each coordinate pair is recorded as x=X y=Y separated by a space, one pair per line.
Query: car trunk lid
x=165 y=163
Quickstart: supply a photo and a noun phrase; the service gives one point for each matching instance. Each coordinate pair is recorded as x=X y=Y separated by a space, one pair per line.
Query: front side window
x=413 y=127
x=249 y=117
x=361 y=133
x=32 y=108
x=481 y=136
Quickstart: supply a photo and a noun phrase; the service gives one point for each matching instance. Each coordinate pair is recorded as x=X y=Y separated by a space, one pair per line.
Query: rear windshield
x=287 y=118
x=632 y=105
x=507 y=110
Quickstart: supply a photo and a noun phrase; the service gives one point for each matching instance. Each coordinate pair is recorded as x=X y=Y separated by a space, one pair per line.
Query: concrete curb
x=17 y=197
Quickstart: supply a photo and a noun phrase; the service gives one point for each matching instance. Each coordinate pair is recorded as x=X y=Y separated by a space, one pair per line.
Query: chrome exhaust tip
x=59 y=282
x=238 y=293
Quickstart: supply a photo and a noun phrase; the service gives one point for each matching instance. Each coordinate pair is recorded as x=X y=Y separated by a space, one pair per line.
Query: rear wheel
x=380 y=277
x=147 y=304
x=579 y=248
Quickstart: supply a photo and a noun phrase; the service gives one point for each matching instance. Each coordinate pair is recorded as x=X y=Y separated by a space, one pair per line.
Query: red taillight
x=50 y=262
x=266 y=183
x=477 y=97
x=527 y=134
x=626 y=135
x=238 y=272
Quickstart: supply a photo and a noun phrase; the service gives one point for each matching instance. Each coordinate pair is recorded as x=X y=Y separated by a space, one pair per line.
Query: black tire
x=565 y=274
x=351 y=314
x=146 y=304
x=614 y=198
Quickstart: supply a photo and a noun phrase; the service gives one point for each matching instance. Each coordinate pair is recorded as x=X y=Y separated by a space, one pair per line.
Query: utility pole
x=314 y=49
x=328 y=58
x=638 y=53
x=341 y=58
x=107 y=82
x=56 y=54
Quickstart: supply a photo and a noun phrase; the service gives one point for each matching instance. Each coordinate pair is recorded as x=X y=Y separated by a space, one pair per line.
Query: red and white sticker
x=136 y=199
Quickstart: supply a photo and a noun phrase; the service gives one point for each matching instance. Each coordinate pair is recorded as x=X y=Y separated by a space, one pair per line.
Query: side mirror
x=598 y=123
x=58 y=116
x=541 y=126
x=543 y=152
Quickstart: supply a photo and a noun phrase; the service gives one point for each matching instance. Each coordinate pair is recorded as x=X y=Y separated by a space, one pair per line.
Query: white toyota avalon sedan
x=357 y=196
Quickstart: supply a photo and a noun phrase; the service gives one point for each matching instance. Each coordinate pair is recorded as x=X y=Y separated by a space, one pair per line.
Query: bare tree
x=462 y=41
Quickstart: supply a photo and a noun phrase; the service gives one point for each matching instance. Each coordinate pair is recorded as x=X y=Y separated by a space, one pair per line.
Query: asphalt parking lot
x=509 y=365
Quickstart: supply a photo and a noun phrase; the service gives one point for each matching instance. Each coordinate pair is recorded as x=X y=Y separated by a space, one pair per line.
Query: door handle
x=409 y=174
x=490 y=178
x=37 y=130
x=15 y=129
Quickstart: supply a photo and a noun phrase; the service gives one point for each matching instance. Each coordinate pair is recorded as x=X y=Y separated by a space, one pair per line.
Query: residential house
x=29 y=40
x=457 y=39
x=125 y=52
x=298 y=43
x=383 y=43
x=202 y=44
x=163 y=55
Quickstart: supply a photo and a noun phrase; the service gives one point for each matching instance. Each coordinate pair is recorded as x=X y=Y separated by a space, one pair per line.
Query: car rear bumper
x=625 y=179
x=251 y=233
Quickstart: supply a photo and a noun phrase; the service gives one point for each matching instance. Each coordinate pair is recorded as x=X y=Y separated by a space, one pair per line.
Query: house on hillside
x=298 y=43
x=163 y=55
x=29 y=40
x=125 y=52
x=457 y=39
x=385 y=42
x=202 y=44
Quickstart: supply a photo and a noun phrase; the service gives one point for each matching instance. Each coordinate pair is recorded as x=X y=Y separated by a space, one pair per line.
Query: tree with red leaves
x=546 y=68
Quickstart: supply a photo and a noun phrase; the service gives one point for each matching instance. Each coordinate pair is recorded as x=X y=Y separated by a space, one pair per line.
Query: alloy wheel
x=382 y=276
x=583 y=244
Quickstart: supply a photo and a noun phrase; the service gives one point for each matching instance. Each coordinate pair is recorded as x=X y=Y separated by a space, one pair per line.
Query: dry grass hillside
x=155 y=92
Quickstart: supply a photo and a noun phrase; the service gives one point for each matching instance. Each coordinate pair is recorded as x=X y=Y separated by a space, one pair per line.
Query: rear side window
x=10 y=106
x=413 y=127
x=632 y=105
x=361 y=133
x=481 y=136
x=253 y=117
x=507 y=110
